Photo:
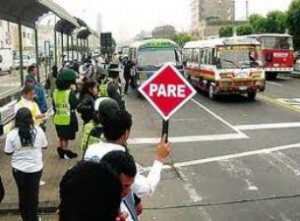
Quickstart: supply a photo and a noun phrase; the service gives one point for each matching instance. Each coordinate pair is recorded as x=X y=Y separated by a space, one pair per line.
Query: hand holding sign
x=162 y=149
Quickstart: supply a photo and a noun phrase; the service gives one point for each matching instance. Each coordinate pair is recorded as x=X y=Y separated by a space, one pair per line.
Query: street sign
x=167 y=91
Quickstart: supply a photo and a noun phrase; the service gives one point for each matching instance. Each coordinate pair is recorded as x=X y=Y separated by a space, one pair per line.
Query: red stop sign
x=167 y=90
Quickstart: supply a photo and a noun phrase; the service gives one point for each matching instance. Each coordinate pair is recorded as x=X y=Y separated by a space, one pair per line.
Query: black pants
x=28 y=187
x=127 y=80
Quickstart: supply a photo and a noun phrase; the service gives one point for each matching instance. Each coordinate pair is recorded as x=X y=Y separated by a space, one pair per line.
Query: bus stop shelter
x=27 y=13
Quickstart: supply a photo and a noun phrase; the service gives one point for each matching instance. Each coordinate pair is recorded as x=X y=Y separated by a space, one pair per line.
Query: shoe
x=60 y=152
x=42 y=183
x=69 y=155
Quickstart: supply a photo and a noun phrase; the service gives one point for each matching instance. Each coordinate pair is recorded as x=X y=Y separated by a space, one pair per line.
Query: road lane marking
x=218 y=117
x=188 y=139
x=273 y=83
x=278 y=102
x=232 y=156
x=268 y=126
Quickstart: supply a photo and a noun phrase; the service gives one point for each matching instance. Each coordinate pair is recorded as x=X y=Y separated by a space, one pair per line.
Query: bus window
x=202 y=56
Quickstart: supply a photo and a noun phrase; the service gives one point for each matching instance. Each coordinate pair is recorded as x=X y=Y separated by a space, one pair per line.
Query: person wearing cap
x=64 y=105
x=93 y=131
x=127 y=66
x=110 y=87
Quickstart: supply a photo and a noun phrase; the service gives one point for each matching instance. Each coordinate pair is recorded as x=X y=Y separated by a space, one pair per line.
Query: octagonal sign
x=167 y=91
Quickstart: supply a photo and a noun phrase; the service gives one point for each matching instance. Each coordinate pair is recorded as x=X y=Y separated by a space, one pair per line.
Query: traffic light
x=106 y=40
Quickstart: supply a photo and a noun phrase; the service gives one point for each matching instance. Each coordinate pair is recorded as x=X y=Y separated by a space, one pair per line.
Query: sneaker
x=42 y=183
x=70 y=155
x=60 y=152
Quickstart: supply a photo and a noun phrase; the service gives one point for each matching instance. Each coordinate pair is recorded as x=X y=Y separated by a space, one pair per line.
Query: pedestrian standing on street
x=90 y=191
x=93 y=131
x=51 y=79
x=111 y=87
x=129 y=78
x=27 y=100
x=32 y=74
x=25 y=143
x=64 y=105
x=88 y=95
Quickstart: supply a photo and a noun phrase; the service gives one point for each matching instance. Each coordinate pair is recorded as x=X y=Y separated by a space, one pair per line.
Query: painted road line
x=218 y=117
x=189 y=139
x=231 y=156
x=273 y=83
x=268 y=126
x=278 y=103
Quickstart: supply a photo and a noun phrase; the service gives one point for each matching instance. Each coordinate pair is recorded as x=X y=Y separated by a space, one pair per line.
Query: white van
x=6 y=59
x=27 y=60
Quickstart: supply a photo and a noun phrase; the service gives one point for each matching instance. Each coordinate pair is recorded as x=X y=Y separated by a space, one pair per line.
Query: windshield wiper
x=231 y=62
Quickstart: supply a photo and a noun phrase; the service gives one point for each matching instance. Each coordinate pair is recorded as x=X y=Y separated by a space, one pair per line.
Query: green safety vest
x=103 y=92
x=62 y=114
x=88 y=138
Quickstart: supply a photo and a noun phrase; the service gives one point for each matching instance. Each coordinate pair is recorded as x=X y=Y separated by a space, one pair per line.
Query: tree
x=226 y=31
x=182 y=38
x=276 y=22
x=293 y=21
x=258 y=23
x=245 y=29
x=166 y=31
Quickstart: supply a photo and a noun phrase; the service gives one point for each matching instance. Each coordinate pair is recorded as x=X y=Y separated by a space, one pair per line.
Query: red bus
x=277 y=53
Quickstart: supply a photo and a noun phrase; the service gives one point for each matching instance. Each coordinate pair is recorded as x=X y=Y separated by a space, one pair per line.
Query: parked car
x=27 y=61
x=6 y=59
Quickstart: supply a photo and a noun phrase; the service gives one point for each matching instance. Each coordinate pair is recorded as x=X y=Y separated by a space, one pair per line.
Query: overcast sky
x=126 y=18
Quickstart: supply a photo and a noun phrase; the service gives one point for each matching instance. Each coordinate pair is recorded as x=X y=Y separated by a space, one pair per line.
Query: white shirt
x=124 y=209
x=26 y=159
x=143 y=185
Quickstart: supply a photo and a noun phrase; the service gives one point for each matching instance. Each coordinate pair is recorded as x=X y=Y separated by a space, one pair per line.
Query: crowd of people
x=105 y=184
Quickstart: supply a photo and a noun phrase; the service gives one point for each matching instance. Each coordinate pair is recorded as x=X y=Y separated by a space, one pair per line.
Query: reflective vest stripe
x=62 y=114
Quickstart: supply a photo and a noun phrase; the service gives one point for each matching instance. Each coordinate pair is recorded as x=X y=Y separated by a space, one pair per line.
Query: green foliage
x=293 y=21
x=226 y=31
x=258 y=23
x=245 y=29
x=182 y=38
x=276 y=22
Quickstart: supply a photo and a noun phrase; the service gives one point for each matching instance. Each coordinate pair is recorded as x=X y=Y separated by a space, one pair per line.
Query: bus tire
x=251 y=95
x=271 y=76
x=211 y=92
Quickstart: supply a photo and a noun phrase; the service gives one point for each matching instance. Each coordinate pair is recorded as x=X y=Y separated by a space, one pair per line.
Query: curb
x=45 y=207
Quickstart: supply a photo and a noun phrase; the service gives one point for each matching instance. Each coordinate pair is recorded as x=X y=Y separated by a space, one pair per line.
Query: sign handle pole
x=165 y=129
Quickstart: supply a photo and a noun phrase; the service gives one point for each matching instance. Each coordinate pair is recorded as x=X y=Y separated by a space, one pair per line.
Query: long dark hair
x=24 y=122
x=87 y=85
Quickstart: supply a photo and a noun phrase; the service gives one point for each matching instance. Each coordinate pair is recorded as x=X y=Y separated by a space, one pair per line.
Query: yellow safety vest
x=103 y=88
x=62 y=114
x=34 y=109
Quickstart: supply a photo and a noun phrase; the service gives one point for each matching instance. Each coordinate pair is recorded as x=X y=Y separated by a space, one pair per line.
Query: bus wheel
x=251 y=96
x=271 y=76
x=211 y=92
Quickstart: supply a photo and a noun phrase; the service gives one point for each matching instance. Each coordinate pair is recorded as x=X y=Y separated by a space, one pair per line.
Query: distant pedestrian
x=51 y=79
x=64 y=105
x=25 y=144
x=32 y=74
x=129 y=78
x=90 y=191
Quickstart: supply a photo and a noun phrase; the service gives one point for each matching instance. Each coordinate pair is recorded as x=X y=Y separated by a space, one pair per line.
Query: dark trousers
x=28 y=188
x=129 y=79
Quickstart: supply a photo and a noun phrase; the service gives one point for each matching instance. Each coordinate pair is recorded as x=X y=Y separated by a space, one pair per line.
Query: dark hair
x=24 y=122
x=121 y=162
x=27 y=89
x=63 y=84
x=116 y=124
x=90 y=191
x=87 y=85
x=31 y=68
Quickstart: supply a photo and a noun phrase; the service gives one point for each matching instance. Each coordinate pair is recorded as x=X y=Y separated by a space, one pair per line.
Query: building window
x=24 y=35
x=28 y=35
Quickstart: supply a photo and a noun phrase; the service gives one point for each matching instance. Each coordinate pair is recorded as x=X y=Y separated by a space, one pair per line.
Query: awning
x=65 y=27
x=85 y=33
x=27 y=12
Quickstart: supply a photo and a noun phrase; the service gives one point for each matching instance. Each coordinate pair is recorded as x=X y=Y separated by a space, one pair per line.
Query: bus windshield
x=159 y=57
x=277 y=42
x=237 y=56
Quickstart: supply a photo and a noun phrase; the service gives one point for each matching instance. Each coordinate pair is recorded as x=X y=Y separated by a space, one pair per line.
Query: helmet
x=106 y=105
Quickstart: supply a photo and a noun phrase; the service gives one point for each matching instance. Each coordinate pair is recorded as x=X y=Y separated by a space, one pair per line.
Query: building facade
x=206 y=11
x=5 y=36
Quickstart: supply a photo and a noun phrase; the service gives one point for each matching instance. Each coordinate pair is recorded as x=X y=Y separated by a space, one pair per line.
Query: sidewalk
x=54 y=169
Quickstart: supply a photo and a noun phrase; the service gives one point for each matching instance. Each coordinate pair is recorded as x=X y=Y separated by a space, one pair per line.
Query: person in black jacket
x=87 y=98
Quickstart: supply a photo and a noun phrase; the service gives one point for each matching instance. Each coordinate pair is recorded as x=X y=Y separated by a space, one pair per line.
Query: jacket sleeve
x=114 y=93
x=73 y=100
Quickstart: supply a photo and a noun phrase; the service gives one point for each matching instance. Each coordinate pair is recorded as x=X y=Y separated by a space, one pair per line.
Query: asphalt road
x=234 y=159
